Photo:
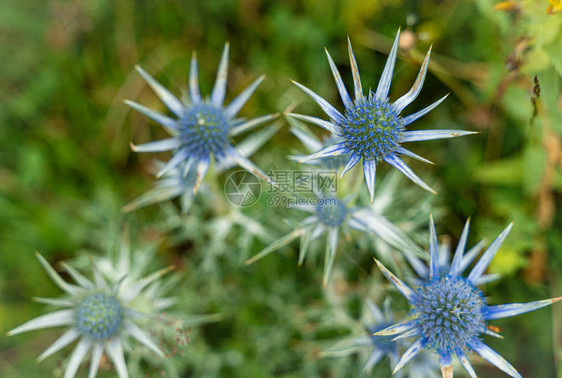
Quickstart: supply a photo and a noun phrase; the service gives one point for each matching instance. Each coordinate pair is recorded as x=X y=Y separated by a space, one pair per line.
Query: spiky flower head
x=328 y=215
x=176 y=183
x=203 y=127
x=96 y=313
x=372 y=128
x=449 y=313
x=127 y=266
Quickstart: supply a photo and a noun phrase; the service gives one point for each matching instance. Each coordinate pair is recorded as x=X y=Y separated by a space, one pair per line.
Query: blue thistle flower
x=203 y=128
x=449 y=314
x=371 y=128
x=98 y=314
x=329 y=214
x=175 y=183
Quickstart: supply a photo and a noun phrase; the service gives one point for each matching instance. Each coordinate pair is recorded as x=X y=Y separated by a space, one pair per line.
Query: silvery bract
x=201 y=131
x=175 y=184
x=96 y=313
x=328 y=216
x=449 y=314
x=371 y=128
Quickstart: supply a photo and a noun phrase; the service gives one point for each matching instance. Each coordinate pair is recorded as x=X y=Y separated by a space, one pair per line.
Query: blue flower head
x=175 y=183
x=329 y=215
x=449 y=314
x=371 y=128
x=100 y=314
x=202 y=128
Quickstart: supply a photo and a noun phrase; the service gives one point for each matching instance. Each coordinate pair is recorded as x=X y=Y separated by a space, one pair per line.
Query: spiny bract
x=329 y=215
x=371 y=128
x=98 y=313
x=450 y=314
x=202 y=131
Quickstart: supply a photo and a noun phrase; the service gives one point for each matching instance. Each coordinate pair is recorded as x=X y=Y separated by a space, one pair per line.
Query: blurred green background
x=66 y=168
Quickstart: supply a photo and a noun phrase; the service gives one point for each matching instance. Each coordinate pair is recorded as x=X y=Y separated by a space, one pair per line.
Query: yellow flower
x=554 y=7
x=506 y=6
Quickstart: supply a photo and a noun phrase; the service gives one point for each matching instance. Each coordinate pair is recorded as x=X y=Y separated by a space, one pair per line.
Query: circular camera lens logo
x=242 y=188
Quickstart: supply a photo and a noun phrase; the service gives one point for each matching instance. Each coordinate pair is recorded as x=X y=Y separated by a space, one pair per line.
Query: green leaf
x=554 y=51
x=500 y=172
x=533 y=164
x=507 y=262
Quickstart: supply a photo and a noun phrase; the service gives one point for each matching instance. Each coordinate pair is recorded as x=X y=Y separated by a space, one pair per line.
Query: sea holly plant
x=98 y=314
x=202 y=129
x=126 y=265
x=449 y=313
x=371 y=127
x=328 y=215
x=175 y=183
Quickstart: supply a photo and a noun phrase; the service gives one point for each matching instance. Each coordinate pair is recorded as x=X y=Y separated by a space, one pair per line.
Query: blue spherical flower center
x=331 y=211
x=204 y=131
x=371 y=128
x=383 y=343
x=449 y=311
x=99 y=316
